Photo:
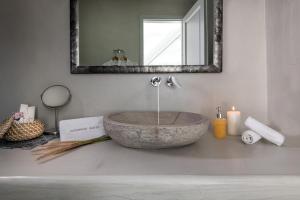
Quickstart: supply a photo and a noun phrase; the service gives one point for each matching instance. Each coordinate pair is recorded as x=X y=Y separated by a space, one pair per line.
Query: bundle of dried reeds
x=55 y=149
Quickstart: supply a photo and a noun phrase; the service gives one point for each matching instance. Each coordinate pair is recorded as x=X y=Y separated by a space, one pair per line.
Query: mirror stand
x=54 y=131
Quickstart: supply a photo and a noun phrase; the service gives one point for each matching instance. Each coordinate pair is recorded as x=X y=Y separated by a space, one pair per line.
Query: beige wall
x=283 y=45
x=34 y=54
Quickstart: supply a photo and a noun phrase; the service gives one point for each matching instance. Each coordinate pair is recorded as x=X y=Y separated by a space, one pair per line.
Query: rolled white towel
x=265 y=131
x=250 y=137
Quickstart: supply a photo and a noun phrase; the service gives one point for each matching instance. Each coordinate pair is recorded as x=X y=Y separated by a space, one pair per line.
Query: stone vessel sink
x=140 y=129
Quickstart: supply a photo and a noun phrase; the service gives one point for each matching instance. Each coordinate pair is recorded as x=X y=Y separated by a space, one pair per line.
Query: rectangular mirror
x=146 y=36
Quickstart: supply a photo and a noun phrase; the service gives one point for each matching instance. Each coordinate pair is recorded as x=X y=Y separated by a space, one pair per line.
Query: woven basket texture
x=5 y=125
x=24 y=131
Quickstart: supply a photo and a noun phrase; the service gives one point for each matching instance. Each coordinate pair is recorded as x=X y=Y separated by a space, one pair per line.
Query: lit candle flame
x=233 y=108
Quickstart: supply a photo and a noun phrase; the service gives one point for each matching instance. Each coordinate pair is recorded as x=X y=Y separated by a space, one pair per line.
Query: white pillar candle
x=233 y=120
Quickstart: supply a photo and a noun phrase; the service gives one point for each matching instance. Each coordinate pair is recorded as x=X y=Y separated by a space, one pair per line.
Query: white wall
x=283 y=47
x=34 y=53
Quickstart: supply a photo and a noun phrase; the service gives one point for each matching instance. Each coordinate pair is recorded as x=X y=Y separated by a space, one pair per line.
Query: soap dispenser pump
x=219 y=125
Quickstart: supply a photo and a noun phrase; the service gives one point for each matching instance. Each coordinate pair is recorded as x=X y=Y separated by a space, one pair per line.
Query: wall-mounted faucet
x=155 y=81
x=172 y=82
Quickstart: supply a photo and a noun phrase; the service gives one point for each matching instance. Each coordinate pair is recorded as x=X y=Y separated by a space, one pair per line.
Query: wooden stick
x=55 y=149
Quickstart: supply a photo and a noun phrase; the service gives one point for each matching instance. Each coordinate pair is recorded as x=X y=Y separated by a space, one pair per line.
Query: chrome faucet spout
x=172 y=82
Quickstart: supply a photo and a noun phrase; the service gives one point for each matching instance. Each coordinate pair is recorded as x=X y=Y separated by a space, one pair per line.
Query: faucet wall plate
x=155 y=81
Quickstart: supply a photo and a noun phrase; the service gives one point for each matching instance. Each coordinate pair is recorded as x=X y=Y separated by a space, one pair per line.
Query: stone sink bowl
x=140 y=129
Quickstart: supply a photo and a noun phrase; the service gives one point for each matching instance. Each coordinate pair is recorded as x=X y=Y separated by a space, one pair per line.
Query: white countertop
x=204 y=158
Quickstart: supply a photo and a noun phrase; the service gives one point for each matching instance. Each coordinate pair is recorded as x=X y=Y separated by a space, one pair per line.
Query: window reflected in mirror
x=162 y=42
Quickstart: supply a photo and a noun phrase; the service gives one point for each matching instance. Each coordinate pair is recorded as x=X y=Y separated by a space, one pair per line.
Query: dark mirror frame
x=216 y=67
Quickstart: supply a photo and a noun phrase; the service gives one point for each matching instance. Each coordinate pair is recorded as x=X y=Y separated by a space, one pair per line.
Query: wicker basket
x=5 y=125
x=24 y=131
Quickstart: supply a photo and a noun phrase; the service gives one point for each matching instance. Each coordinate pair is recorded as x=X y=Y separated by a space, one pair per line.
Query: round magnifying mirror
x=55 y=97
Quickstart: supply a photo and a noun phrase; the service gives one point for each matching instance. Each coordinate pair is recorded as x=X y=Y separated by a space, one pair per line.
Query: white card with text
x=81 y=129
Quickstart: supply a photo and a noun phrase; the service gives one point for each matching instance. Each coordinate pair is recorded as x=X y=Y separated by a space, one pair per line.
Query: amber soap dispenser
x=219 y=125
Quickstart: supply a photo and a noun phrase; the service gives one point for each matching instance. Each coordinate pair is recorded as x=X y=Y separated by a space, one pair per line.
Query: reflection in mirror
x=145 y=33
x=162 y=42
